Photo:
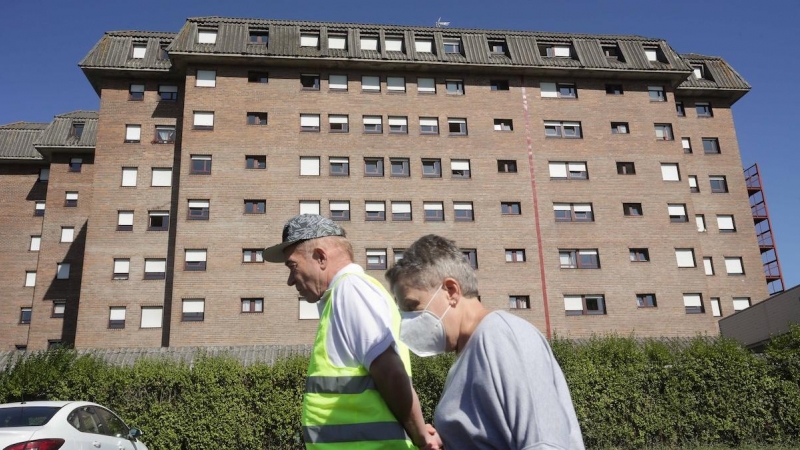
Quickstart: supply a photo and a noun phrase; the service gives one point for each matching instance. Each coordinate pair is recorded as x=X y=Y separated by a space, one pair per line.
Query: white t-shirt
x=360 y=327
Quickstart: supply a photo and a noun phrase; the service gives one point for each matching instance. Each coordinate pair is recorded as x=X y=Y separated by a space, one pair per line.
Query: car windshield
x=26 y=416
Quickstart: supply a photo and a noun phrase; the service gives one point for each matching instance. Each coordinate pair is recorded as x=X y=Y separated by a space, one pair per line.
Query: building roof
x=718 y=73
x=114 y=50
x=17 y=140
x=59 y=132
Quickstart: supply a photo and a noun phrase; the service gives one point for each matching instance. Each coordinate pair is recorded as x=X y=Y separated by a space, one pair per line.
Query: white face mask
x=422 y=332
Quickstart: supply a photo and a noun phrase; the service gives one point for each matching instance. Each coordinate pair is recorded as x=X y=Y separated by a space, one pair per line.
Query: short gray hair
x=428 y=261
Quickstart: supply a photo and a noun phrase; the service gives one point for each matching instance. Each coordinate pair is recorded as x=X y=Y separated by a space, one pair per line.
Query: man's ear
x=453 y=290
x=320 y=256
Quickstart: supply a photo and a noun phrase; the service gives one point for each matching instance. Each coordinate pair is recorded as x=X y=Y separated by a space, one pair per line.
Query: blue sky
x=43 y=41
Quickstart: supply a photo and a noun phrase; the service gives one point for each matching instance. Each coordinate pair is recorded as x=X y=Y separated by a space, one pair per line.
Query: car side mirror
x=134 y=433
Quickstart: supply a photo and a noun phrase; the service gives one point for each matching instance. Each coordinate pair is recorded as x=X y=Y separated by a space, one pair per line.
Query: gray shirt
x=506 y=391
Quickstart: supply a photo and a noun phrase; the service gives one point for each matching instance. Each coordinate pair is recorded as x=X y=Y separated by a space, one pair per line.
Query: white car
x=46 y=425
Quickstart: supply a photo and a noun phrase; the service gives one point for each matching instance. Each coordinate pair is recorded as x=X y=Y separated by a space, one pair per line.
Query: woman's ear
x=453 y=290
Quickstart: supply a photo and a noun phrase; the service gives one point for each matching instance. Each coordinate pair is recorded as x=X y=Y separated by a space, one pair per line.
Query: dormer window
x=259 y=37
x=337 y=42
x=654 y=54
x=699 y=71
x=394 y=44
x=452 y=45
x=139 y=51
x=310 y=40
x=555 y=51
x=498 y=47
x=206 y=36
x=162 y=52
x=369 y=43
x=423 y=45
x=77 y=130
x=613 y=53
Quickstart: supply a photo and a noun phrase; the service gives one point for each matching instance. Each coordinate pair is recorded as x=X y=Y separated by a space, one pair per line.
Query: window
x=718 y=184
x=255 y=162
x=656 y=93
x=510 y=208
x=39 y=208
x=255 y=206
x=157 y=220
x=555 y=51
x=498 y=85
x=203 y=120
x=639 y=254
x=373 y=167
x=613 y=53
x=309 y=165
x=201 y=165
x=579 y=259
x=626 y=168
x=703 y=109
x=646 y=300
x=454 y=87
x=161 y=177
x=339 y=167
x=168 y=93
x=44 y=174
x=584 y=305
x=558 y=90
x=733 y=265
x=503 y=125
x=398 y=125
x=309 y=207
x=434 y=211
x=431 y=168
x=122 y=268
x=376 y=211
x=373 y=124
x=309 y=122
x=632 y=209
x=309 y=40
x=62 y=271
x=198 y=210
x=398 y=254
x=426 y=85
x=67 y=234
x=663 y=131
x=155 y=269
x=165 y=134
x=259 y=37
x=401 y=211
x=71 y=199
x=515 y=255
x=740 y=303
x=193 y=310
x=376 y=259
x=457 y=126
x=716 y=311
x=506 y=166
x=309 y=82
x=337 y=42
x=462 y=212
x=686 y=143
x=693 y=188
x=399 y=167
x=568 y=171
x=519 y=302
x=708 y=265
x=423 y=45
x=59 y=307
x=693 y=303
x=685 y=257
x=75 y=164
x=698 y=71
x=338 y=123
x=393 y=44
x=670 y=172
x=30 y=278
x=124 y=220
x=370 y=84
x=573 y=212
x=206 y=78
x=136 y=92
x=460 y=168
x=252 y=255
x=677 y=212
x=195 y=260
x=471 y=255
x=138 y=51
x=252 y=305
x=133 y=134
x=337 y=82
x=652 y=54
x=206 y=36
x=614 y=89
x=700 y=221
x=452 y=46
x=369 y=43
x=256 y=118
x=25 y=316
x=562 y=129
x=428 y=125
x=152 y=316
x=679 y=109
x=258 y=77
x=340 y=210
x=620 y=128
x=725 y=223
x=36 y=243
x=710 y=145
x=395 y=84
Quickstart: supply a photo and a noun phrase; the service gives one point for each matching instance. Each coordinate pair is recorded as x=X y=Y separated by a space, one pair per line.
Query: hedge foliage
x=627 y=393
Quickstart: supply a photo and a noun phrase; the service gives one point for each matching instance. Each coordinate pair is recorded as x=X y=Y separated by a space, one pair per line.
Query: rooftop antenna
x=440 y=24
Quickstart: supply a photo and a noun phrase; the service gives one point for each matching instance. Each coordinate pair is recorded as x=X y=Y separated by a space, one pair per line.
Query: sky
x=43 y=41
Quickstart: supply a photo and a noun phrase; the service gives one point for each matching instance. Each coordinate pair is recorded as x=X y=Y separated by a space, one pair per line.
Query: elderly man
x=358 y=390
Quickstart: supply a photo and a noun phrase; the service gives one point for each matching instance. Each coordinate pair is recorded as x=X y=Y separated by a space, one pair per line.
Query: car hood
x=15 y=435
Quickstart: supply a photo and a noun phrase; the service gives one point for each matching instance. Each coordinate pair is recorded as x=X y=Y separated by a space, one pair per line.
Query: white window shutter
x=337 y=42
x=676 y=210
x=708 y=266
x=203 y=119
x=337 y=119
x=369 y=43
x=398 y=121
x=133 y=132
x=432 y=206
x=151 y=316
x=573 y=303
x=701 y=223
x=428 y=122
x=67 y=234
x=309 y=40
x=206 y=78
x=309 y=207
x=582 y=207
x=372 y=120
x=370 y=83
x=459 y=164
x=339 y=206
x=548 y=89
x=375 y=206
x=122 y=265
x=561 y=51
x=309 y=165
x=162 y=177
x=309 y=120
x=558 y=170
x=394 y=45
x=116 y=313
x=155 y=265
x=337 y=82
x=685 y=258
x=423 y=46
x=694 y=300
x=198 y=203
x=426 y=85
x=206 y=37
x=669 y=172
x=125 y=218
x=740 y=303
x=396 y=84
x=193 y=306
x=401 y=207
x=129 y=175
x=725 y=222
x=195 y=255
x=733 y=265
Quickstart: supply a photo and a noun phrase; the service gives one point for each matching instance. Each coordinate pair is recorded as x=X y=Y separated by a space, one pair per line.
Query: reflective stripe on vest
x=358 y=432
x=339 y=385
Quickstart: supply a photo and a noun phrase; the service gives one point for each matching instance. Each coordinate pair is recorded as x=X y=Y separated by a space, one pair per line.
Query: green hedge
x=627 y=393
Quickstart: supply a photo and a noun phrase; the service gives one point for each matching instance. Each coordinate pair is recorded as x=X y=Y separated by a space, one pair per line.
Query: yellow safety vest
x=342 y=408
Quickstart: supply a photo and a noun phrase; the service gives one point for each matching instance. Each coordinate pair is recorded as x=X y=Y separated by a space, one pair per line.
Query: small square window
x=614 y=89
x=646 y=300
x=460 y=168
x=510 y=208
x=253 y=255
x=256 y=118
x=584 y=305
x=124 y=220
x=376 y=259
x=373 y=167
x=613 y=53
x=620 y=128
x=457 y=126
x=503 y=125
x=685 y=257
x=136 y=92
x=165 y=134
x=122 y=268
x=76 y=131
x=656 y=93
x=67 y=234
x=155 y=269
x=395 y=84
x=309 y=122
x=632 y=209
x=71 y=199
x=506 y=166
x=394 y=43
x=368 y=42
x=193 y=310
x=693 y=303
x=75 y=164
x=195 y=260
x=733 y=265
x=498 y=85
x=206 y=36
x=679 y=109
x=258 y=77
x=25 y=316
x=309 y=40
x=337 y=42
x=401 y=211
x=462 y=212
x=519 y=302
x=158 y=221
x=39 y=208
x=203 y=120
x=579 y=259
x=255 y=206
x=200 y=165
x=398 y=125
x=428 y=125
x=426 y=85
x=452 y=45
x=400 y=167
x=133 y=134
x=703 y=109
x=471 y=255
x=62 y=271
x=375 y=211
x=198 y=210
x=498 y=46
x=719 y=184
x=340 y=210
x=434 y=211
x=725 y=224
x=168 y=93
x=515 y=255
x=370 y=83
x=626 y=168
x=639 y=254
x=663 y=131
x=373 y=124
x=338 y=123
x=59 y=307
x=309 y=82
x=339 y=167
x=455 y=87
x=255 y=161
x=686 y=143
x=259 y=37
x=677 y=212
x=711 y=145
x=206 y=78
x=252 y=305
x=432 y=168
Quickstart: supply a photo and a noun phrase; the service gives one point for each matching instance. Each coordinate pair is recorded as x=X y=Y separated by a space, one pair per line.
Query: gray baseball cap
x=302 y=228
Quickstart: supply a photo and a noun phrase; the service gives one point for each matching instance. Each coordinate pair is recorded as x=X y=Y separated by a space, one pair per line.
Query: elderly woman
x=505 y=390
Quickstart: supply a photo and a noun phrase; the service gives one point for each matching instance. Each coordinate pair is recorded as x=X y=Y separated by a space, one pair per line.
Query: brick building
x=593 y=180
